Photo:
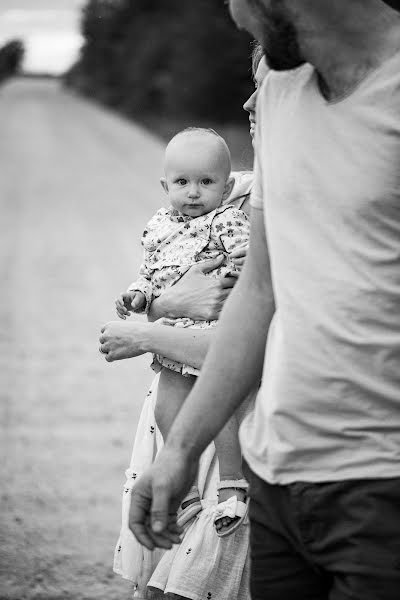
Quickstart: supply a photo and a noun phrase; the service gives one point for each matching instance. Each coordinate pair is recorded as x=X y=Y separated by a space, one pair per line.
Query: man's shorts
x=325 y=541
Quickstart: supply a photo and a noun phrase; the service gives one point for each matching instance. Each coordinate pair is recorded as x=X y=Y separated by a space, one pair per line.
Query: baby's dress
x=173 y=242
x=203 y=566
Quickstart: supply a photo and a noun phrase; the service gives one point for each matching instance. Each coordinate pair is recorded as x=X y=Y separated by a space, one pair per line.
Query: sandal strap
x=192 y=494
x=238 y=484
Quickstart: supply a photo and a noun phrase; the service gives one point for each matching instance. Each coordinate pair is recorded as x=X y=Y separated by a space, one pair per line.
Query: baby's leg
x=229 y=456
x=230 y=460
x=173 y=389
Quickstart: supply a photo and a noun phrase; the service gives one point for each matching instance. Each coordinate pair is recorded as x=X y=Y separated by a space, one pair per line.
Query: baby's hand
x=129 y=301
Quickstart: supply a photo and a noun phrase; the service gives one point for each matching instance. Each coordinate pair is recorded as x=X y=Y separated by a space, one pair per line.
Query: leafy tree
x=166 y=57
x=11 y=55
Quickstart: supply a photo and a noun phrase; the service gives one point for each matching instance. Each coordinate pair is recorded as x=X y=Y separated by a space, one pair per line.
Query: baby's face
x=195 y=174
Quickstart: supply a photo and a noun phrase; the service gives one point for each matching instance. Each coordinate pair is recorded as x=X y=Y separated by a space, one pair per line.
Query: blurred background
x=89 y=92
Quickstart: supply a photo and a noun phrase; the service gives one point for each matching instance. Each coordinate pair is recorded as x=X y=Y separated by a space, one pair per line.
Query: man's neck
x=345 y=55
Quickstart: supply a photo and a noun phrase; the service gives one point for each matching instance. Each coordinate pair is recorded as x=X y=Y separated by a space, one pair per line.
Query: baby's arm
x=139 y=294
x=133 y=300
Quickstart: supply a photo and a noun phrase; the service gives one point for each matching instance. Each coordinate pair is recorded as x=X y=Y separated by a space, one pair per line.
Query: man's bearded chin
x=280 y=44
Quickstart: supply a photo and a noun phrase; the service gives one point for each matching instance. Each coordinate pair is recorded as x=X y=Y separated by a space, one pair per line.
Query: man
x=323 y=444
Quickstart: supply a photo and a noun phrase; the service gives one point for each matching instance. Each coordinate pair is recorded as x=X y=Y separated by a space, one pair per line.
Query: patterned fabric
x=173 y=242
x=203 y=566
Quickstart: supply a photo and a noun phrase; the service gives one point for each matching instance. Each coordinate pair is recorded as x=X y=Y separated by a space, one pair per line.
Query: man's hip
x=314 y=541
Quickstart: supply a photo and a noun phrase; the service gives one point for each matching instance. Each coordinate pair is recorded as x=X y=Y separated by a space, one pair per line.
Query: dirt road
x=77 y=184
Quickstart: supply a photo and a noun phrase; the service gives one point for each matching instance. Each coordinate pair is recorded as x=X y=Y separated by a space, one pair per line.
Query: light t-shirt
x=327 y=177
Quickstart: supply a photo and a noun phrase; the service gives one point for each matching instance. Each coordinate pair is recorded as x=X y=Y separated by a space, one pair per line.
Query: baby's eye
x=181 y=181
x=206 y=181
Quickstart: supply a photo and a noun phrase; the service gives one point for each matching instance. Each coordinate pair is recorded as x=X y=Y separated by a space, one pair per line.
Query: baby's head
x=197 y=171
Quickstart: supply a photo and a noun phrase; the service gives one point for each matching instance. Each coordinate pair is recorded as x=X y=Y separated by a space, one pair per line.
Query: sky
x=49 y=30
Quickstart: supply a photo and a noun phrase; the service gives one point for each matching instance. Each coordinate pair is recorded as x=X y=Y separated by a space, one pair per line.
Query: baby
x=198 y=225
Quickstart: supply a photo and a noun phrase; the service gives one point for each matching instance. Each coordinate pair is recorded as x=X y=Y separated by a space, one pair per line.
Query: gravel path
x=77 y=185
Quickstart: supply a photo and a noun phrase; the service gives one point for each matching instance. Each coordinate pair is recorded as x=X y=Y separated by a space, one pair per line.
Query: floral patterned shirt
x=173 y=242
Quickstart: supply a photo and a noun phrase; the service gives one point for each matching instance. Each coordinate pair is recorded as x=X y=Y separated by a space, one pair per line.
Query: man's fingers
x=160 y=508
x=146 y=536
x=170 y=535
x=163 y=540
x=140 y=532
x=173 y=527
x=222 y=296
x=239 y=252
x=209 y=265
x=159 y=519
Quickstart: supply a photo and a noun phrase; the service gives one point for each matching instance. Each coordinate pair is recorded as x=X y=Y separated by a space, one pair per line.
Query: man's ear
x=164 y=184
x=228 y=188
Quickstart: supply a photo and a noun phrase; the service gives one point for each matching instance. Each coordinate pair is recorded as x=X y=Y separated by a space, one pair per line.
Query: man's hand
x=122 y=340
x=238 y=256
x=156 y=497
x=129 y=301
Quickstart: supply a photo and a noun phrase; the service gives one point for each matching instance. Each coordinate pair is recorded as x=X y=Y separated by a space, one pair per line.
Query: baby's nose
x=193 y=191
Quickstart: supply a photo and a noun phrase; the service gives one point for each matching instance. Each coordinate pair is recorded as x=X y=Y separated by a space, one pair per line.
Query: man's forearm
x=233 y=366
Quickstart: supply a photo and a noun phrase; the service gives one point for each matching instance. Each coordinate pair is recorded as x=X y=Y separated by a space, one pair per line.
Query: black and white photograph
x=200 y=299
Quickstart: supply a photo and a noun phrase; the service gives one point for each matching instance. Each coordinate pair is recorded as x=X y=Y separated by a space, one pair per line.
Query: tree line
x=11 y=55
x=172 y=58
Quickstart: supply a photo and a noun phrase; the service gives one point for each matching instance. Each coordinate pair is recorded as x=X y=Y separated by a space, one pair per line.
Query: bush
x=11 y=55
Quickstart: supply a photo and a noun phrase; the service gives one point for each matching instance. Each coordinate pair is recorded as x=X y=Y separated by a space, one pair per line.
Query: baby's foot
x=224 y=523
x=190 y=507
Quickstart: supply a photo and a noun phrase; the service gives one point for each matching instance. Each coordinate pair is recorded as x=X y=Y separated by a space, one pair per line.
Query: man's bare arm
x=234 y=363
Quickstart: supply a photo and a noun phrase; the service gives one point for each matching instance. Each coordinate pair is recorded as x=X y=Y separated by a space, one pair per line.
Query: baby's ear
x=228 y=188
x=164 y=184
